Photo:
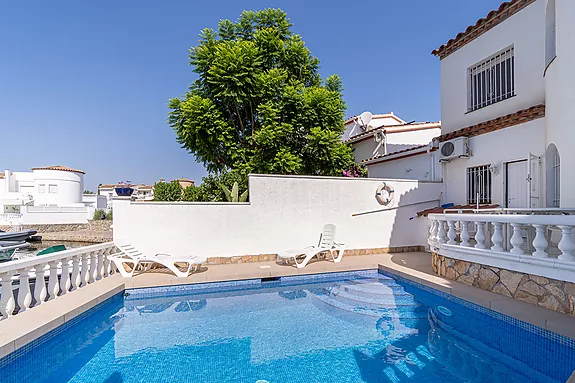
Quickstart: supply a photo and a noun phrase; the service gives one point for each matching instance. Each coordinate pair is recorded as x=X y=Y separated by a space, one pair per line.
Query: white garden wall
x=284 y=212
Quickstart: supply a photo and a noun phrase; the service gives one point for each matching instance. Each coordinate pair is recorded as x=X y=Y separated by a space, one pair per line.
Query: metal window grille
x=41 y=188
x=53 y=189
x=479 y=185
x=492 y=80
x=556 y=179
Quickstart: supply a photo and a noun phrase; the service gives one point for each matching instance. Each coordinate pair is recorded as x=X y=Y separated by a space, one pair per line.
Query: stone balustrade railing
x=27 y=283
x=517 y=242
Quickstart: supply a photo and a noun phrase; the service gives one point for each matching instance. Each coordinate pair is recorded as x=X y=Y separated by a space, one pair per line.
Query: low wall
x=284 y=212
x=103 y=225
x=545 y=292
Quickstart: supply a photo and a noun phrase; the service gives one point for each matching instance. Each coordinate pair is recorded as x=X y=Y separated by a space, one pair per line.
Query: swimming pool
x=341 y=327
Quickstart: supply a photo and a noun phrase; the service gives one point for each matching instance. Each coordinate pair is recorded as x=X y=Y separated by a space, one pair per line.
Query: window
x=479 y=185
x=53 y=189
x=553 y=176
x=41 y=188
x=492 y=80
x=550 y=33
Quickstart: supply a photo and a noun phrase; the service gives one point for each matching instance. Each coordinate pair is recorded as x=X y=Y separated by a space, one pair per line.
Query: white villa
x=386 y=138
x=45 y=195
x=507 y=105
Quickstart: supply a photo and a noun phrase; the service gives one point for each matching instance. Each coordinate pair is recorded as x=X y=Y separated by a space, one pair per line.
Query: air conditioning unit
x=452 y=149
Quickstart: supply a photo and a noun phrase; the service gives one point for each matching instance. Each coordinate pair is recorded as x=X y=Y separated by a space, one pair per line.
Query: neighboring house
x=141 y=192
x=506 y=109
x=387 y=137
x=50 y=195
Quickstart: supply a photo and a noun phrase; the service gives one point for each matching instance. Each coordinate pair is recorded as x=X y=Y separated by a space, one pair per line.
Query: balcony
x=535 y=242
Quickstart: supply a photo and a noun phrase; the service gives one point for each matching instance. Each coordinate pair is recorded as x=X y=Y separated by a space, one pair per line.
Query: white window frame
x=491 y=80
x=42 y=188
x=53 y=189
x=479 y=180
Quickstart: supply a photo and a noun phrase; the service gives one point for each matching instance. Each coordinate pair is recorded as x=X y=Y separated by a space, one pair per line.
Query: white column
x=464 y=234
x=480 y=236
x=40 y=284
x=76 y=275
x=451 y=233
x=441 y=231
x=497 y=237
x=516 y=239
x=566 y=244
x=65 y=277
x=540 y=242
x=93 y=266
x=85 y=270
x=24 y=295
x=53 y=287
x=99 y=265
x=7 y=304
x=432 y=229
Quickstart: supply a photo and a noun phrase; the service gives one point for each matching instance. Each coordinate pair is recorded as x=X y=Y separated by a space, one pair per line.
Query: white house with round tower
x=46 y=195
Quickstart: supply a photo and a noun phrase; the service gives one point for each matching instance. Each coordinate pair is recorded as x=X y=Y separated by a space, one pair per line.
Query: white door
x=517 y=185
x=534 y=180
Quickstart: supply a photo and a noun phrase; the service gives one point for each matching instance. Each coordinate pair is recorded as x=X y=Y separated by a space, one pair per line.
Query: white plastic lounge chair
x=135 y=259
x=326 y=244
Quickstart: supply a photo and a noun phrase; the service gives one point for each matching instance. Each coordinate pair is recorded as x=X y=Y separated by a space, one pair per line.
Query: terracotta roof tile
x=61 y=168
x=394 y=129
x=495 y=17
x=408 y=152
x=441 y=210
x=507 y=121
x=376 y=117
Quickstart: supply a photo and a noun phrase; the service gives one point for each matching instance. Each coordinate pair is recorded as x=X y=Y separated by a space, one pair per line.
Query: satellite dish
x=362 y=121
x=365 y=118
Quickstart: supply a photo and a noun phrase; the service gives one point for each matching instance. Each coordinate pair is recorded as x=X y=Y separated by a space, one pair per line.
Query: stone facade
x=273 y=257
x=545 y=292
x=103 y=225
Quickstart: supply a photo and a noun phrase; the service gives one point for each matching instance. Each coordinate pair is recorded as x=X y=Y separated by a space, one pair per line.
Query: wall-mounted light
x=495 y=167
x=408 y=170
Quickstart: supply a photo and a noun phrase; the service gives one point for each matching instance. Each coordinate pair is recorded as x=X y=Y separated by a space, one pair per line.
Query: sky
x=86 y=84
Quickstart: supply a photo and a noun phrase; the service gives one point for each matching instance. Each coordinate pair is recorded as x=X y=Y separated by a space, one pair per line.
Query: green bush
x=167 y=191
x=99 y=214
x=109 y=215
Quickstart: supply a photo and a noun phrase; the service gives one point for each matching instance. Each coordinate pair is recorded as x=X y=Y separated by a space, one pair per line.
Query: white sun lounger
x=326 y=244
x=135 y=259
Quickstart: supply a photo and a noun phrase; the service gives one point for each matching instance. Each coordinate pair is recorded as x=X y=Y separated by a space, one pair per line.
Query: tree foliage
x=259 y=104
x=167 y=191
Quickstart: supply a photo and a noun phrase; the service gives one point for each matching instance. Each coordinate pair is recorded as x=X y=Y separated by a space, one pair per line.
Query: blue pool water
x=345 y=327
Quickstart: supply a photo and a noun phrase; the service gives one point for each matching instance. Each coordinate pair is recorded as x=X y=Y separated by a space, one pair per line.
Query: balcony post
x=497 y=237
x=540 y=242
x=566 y=244
x=516 y=239
x=480 y=235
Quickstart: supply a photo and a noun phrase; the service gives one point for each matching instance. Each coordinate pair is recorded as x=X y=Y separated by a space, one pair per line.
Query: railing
x=53 y=275
x=507 y=240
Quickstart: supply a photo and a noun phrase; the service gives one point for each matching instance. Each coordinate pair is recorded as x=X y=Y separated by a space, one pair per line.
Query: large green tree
x=259 y=104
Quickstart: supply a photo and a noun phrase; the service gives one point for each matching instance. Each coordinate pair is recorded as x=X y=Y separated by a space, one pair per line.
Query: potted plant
x=124 y=189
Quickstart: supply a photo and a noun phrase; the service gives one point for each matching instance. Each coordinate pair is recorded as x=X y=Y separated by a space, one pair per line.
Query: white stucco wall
x=285 y=212
x=525 y=31
x=70 y=187
x=375 y=123
x=422 y=167
x=560 y=93
x=395 y=142
x=506 y=145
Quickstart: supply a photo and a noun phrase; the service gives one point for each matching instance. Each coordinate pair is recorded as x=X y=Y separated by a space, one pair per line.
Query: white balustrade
x=53 y=275
x=513 y=241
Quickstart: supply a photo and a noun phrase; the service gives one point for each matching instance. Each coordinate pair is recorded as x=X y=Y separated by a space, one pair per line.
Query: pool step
x=391 y=311
x=374 y=301
x=372 y=290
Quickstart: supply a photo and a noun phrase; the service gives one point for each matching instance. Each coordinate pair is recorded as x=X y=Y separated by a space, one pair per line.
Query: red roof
x=61 y=168
x=483 y=25
x=441 y=210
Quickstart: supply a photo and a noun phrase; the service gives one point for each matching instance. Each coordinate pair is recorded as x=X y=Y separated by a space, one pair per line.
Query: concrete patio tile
x=475 y=295
x=563 y=324
x=523 y=311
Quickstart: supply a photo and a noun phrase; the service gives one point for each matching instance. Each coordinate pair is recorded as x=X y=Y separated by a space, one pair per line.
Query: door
x=534 y=180
x=517 y=185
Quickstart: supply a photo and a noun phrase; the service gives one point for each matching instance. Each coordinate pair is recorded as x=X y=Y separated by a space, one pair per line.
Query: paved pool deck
x=28 y=326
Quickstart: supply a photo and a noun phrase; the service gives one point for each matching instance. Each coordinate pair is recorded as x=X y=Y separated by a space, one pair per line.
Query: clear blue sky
x=86 y=83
